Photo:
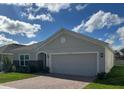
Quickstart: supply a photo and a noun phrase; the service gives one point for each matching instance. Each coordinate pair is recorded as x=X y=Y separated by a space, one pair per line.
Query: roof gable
x=54 y=36
x=77 y=35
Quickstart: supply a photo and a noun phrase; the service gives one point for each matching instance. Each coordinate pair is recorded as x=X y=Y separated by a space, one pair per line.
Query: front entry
x=42 y=59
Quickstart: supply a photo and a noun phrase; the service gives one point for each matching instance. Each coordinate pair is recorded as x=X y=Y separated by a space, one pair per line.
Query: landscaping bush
x=23 y=69
x=14 y=68
x=7 y=64
x=102 y=75
x=46 y=70
x=33 y=68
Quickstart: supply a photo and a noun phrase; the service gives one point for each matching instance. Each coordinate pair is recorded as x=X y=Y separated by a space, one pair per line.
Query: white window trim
x=24 y=59
x=97 y=54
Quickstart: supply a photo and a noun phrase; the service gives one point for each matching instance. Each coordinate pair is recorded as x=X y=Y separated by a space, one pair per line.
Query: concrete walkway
x=51 y=82
x=5 y=87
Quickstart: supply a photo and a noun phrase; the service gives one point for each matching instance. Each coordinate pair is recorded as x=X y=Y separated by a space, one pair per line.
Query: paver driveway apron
x=51 y=82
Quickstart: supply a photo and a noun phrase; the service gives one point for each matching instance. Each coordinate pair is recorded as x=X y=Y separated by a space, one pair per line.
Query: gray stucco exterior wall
x=73 y=44
x=109 y=60
x=30 y=53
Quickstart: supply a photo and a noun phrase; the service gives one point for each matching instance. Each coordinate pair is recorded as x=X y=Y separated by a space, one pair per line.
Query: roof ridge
x=88 y=38
x=84 y=35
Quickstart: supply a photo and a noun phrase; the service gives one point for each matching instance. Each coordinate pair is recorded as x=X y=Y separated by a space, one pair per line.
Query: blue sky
x=31 y=23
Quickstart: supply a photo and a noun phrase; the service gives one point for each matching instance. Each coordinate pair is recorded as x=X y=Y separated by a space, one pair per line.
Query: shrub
x=102 y=75
x=46 y=70
x=7 y=64
x=24 y=69
x=14 y=68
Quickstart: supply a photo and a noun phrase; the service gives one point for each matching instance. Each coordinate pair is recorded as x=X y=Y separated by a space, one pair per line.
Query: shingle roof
x=28 y=47
x=16 y=47
x=8 y=48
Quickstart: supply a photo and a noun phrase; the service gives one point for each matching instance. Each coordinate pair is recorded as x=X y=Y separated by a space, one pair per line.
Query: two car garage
x=83 y=64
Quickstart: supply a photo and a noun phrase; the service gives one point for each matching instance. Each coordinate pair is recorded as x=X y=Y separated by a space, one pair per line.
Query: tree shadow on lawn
x=115 y=77
x=111 y=81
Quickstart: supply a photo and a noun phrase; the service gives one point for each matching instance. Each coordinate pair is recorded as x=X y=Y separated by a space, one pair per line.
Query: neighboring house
x=119 y=55
x=8 y=48
x=5 y=51
x=68 y=52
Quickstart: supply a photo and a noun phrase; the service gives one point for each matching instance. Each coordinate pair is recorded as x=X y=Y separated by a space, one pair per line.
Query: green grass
x=114 y=80
x=6 y=77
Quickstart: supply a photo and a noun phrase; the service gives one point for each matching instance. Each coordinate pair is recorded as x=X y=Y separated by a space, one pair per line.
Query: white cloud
x=43 y=17
x=81 y=7
x=106 y=34
x=100 y=39
x=79 y=28
x=31 y=12
x=5 y=41
x=118 y=47
x=102 y=19
x=32 y=9
x=23 y=4
x=120 y=31
x=111 y=39
x=99 y=20
x=53 y=7
x=18 y=27
x=30 y=43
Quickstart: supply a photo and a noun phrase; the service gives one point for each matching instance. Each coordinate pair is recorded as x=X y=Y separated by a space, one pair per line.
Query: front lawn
x=6 y=77
x=114 y=80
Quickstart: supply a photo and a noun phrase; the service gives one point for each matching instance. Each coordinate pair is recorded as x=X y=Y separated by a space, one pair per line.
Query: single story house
x=5 y=53
x=68 y=52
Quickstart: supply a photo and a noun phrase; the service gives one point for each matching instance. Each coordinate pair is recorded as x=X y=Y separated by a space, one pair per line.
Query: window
x=101 y=55
x=24 y=60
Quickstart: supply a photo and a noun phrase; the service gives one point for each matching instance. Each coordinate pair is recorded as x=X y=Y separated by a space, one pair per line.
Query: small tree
x=122 y=50
x=117 y=54
x=6 y=63
x=14 y=68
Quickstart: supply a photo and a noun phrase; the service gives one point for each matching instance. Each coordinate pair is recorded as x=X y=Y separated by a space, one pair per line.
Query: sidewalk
x=4 y=87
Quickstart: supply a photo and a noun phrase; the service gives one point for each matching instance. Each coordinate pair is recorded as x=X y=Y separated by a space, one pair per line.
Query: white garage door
x=75 y=64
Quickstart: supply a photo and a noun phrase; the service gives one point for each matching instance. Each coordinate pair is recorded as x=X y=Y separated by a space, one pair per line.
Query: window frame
x=24 y=59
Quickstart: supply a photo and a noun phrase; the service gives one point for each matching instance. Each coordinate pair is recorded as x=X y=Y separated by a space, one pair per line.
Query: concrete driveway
x=51 y=81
